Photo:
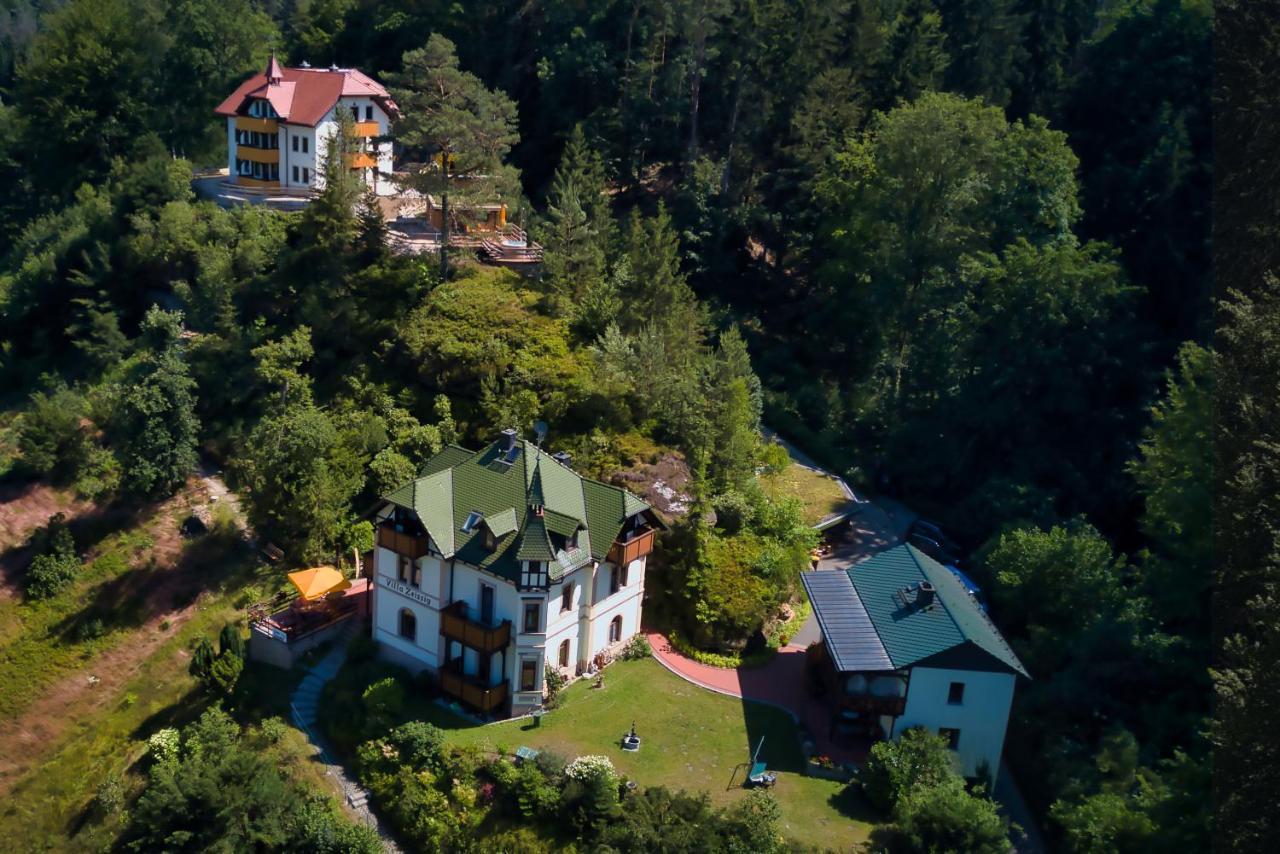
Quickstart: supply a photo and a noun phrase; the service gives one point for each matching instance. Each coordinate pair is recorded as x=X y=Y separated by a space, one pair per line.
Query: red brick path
x=780 y=682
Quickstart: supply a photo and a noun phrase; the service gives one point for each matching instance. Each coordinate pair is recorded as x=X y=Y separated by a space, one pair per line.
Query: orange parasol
x=315 y=583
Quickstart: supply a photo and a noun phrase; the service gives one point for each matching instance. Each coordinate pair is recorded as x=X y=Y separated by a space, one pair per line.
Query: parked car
x=934 y=548
x=932 y=531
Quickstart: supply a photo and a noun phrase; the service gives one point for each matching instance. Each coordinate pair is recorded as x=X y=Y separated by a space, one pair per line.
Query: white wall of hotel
x=317 y=143
x=586 y=625
x=982 y=716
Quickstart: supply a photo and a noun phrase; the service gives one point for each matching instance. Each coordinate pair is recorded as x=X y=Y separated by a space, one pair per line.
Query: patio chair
x=760 y=774
x=525 y=754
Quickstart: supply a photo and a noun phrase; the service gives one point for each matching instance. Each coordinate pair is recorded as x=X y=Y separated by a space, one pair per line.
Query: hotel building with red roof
x=281 y=122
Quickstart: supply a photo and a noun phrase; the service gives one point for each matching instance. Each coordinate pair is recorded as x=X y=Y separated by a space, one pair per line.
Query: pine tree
x=156 y=424
x=458 y=125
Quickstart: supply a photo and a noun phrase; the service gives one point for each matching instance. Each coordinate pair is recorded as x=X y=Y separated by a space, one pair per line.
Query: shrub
x=56 y=565
x=383 y=701
x=773 y=457
x=163 y=745
x=273 y=730
x=638 y=647
x=99 y=475
x=49 y=574
x=551 y=764
x=918 y=758
x=419 y=743
x=945 y=817
x=230 y=641
x=590 y=767
x=555 y=683
x=90 y=629
x=225 y=673
x=49 y=433
x=109 y=799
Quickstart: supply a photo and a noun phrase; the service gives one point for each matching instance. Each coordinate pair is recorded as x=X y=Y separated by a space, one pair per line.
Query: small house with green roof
x=905 y=644
x=495 y=565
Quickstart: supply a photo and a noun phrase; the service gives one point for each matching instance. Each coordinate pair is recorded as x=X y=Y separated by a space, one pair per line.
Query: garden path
x=304 y=704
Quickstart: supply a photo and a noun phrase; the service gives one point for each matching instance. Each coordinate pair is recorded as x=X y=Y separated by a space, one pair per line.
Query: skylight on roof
x=473 y=519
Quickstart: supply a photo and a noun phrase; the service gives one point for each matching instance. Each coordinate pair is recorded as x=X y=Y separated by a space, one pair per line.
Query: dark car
x=931 y=531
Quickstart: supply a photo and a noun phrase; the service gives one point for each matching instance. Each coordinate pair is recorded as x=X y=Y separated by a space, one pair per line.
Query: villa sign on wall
x=408 y=591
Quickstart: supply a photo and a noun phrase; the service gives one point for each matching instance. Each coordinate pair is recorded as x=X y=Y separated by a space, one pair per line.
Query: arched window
x=564 y=653
x=615 y=629
x=408 y=625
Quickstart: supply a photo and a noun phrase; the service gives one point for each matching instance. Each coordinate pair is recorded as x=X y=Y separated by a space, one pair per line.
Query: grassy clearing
x=49 y=808
x=819 y=493
x=692 y=739
x=41 y=641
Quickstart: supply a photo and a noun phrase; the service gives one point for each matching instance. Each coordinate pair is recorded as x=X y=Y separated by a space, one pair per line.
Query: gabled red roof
x=305 y=95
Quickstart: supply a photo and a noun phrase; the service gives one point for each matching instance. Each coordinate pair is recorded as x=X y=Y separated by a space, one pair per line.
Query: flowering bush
x=637 y=648
x=823 y=761
x=163 y=745
x=586 y=769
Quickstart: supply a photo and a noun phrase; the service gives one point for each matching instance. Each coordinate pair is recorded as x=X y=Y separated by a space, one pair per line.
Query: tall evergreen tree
x=462 y=129
x=156 y=427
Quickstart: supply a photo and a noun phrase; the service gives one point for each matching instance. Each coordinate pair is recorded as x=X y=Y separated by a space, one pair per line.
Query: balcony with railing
x=470 y=690
x=258 y=155
x=361 y=160
x=365 y=129
x=631 y=545
x=457 y=623
x=409 y=543
x=260 y=125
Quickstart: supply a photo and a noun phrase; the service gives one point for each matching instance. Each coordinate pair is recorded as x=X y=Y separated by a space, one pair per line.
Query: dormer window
x=490 y=541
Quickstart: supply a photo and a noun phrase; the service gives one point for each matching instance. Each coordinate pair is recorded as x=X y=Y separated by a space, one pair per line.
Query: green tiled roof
x=502 y=523
x=457 y=482
x=909 y=634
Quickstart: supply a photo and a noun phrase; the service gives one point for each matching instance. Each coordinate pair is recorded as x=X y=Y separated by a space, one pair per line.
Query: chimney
x=562 y=457
x=508 y=439
x=924 y=595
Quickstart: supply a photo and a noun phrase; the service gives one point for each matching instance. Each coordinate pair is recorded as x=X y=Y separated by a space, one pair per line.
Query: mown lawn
x=692 y=739
x=820 y=494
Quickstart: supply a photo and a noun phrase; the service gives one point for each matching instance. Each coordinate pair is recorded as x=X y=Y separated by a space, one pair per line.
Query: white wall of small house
x=982 y=716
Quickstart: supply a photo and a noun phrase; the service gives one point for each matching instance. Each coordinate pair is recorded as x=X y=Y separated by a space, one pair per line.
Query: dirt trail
x=169 y=594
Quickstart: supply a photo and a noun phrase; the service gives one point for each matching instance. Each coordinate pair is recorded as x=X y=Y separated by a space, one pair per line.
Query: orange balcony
x=455 y=624
x=260 y=125
x=471 y=691
x=255 y=182
x=411 y=546
x=258 y=155
x=637 y=546
x=361 y=160
x=366 y=129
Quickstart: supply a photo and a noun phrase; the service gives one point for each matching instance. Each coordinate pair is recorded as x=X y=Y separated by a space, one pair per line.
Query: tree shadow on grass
x=850 y=803
x=141 y=594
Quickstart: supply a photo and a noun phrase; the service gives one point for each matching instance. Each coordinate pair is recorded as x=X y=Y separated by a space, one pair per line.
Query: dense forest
x=958 y=251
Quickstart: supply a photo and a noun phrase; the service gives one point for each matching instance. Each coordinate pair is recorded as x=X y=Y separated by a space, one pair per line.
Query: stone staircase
x=304 y=706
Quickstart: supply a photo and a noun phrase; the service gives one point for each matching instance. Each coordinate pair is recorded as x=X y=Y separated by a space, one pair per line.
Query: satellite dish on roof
x=539 y=432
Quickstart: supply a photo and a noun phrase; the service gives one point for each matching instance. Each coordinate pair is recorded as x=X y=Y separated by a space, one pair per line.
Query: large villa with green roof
x=905 y=644
x=493 y=566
